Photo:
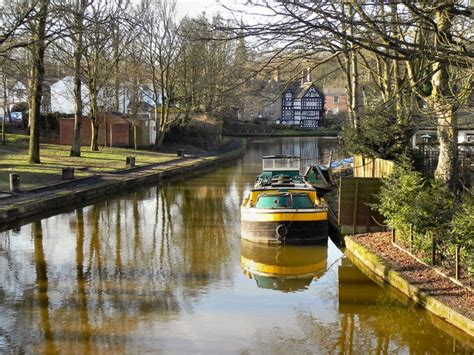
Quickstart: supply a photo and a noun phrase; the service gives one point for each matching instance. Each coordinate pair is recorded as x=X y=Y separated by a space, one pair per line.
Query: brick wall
x=120 y=131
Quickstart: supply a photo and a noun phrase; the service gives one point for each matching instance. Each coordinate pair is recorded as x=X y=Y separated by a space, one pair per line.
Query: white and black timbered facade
x=302 y=106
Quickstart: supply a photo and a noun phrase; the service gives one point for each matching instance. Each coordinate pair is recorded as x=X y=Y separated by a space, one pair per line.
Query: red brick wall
x=329 y=103
x=66 y=131
x=120 y=133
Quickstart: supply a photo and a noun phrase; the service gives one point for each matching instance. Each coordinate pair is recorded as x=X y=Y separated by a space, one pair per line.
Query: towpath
x=47 y=199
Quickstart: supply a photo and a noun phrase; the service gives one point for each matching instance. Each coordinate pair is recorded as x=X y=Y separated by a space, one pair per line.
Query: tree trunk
x=5 y=106
x=94 y=117
x=36 y=90
x=78 y=50
x=135 y=136
x=160 y=135
x=157 y=124
x=442 y=103
x=447 y=171
x=94 y=135
x=351 y=72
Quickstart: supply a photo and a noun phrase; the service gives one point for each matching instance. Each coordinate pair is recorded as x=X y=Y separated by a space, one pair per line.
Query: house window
x=336 y=99
x=287 y=115
x=309 y=123
x=335 y=110
x=312 y=93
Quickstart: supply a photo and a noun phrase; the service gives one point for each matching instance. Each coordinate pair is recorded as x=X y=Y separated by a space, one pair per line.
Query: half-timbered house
x=302 y=105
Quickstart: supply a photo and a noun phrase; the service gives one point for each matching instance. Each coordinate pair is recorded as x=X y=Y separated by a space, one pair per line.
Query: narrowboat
x=283 y=208
x=286 y=268
x=325 y=178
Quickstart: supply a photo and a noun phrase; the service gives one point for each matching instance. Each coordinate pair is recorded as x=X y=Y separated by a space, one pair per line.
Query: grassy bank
x=321 y=132
x=14 y=159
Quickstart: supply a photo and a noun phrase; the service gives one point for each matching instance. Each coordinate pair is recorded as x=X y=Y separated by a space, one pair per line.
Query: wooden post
x=411 y=236
x=393 y=235
x=356 y=202
x=458 y=256
x=14 y=182
x=67 y=173
x=130 y=162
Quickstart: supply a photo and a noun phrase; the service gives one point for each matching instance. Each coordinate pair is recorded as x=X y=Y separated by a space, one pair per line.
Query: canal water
x=163 y=270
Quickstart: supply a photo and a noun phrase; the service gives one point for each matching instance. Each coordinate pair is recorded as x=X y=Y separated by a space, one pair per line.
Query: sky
x=195 y=7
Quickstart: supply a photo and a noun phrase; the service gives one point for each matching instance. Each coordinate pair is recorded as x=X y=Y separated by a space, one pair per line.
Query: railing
x=436 y=252
x=426 y=161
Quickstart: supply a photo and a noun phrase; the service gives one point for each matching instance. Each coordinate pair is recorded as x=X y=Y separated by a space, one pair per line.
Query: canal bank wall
x=388 y=274
x=47 y=201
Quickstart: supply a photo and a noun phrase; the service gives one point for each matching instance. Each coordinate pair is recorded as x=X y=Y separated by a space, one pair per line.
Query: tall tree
x=36 y=80
x=431 y=39
x=101 y=55
x=78 y=14
x=162 y=47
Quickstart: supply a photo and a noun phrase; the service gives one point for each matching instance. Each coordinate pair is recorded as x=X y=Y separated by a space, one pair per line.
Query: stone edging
x=50 y=204
x=376 y=264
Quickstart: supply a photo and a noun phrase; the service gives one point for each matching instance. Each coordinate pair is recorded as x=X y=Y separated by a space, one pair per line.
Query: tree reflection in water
x=371 y=319
x=158 y=270
x=42 y=287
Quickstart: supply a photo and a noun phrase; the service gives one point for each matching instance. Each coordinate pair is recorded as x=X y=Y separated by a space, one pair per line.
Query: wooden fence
x=355 y=213
x=371 y=167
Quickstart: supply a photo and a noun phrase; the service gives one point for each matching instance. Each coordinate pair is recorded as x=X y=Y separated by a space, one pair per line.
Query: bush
x=379 y=136
x=201 y=131
x=462 y=230
x=406 y=198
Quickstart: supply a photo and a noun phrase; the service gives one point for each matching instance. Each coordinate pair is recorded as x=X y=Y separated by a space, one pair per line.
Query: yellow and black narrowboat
x=286 y=268
x=282 y=208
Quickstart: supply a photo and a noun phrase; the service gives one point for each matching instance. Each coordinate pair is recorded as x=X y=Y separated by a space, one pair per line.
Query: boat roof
x=280 y=156
x=287 y=186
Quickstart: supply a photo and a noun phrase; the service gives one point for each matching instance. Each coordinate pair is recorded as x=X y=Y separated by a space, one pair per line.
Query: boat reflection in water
x=287 y=268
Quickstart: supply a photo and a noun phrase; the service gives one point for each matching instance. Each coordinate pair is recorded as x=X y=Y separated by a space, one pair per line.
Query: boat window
x=302 y=201
x=275 y=201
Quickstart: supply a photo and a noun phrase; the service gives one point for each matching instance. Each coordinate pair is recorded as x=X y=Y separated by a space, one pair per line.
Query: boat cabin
x=279 y=166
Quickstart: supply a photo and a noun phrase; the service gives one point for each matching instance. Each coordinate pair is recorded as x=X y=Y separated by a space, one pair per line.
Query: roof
x=279 y=156
x=299 y=90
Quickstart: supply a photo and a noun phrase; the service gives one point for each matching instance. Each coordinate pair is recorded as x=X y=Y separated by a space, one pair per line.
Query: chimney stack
x=305 y=76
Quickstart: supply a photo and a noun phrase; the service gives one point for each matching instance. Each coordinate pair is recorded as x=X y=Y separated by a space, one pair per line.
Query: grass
x=14 y=159
x=320 y=132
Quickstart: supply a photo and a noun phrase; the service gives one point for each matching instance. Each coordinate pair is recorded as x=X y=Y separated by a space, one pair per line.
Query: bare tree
x=4 y=94
x=101 y=54
x=429 y=40
x=14 y=18
x=162 y=47
x=78 y=14
x=37 y=77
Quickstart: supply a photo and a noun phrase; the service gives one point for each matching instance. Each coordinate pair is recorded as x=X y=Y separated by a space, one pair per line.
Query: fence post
x=14 y=182
x=393 y=235
x=458 y=252
x=411 y=237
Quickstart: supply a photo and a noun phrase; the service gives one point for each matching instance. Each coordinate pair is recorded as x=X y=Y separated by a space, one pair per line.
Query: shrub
x=406 y=198
x=396 y=198
x=462 y=230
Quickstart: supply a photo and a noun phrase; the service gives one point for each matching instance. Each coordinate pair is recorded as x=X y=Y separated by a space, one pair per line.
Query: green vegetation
x=300 y=132
x=431 y=210
x=13 y=159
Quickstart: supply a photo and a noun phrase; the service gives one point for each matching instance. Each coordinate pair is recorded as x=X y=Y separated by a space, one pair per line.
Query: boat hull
x=284 y=227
